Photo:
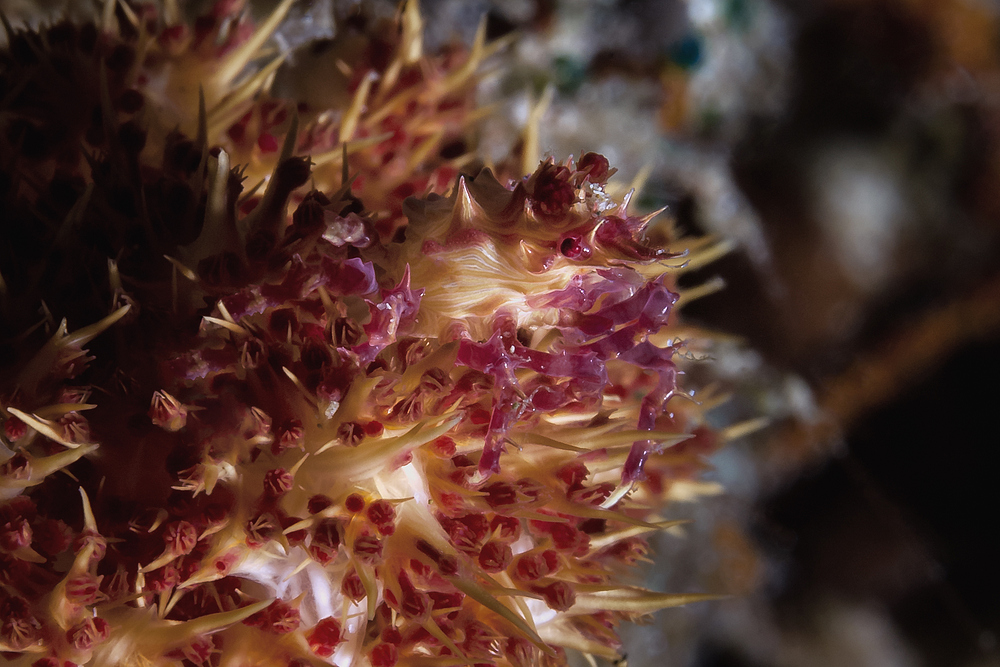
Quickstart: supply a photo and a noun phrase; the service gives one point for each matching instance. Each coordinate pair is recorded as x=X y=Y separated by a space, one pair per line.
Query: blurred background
x=850 y=152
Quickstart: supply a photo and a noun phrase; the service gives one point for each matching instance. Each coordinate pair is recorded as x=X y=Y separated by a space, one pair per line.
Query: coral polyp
x=321 y=421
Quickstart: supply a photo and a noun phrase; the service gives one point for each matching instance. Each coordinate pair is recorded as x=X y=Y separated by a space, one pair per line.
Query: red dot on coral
x=354 y=503
x=267 y=143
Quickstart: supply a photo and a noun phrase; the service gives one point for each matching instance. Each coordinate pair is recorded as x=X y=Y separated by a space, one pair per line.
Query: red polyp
x=629 y=550
x=163 y=579
x=495 y=556
x=267 y=143
x=351 y=433
x=15 y=534
x=180 y=537
x=87 y=634
x=89 y=537
x=318 y=503
x=354 y=503
x=279 y=617
x=591 y=495
x=595 y=165
x=443 y=447
x=446 y=600
x=558 y=595
x=573 y=474
x=368 y=549
x=14 y=428
x=83 y=589
x=283 y=618
x=18 y=626
x=414 y=604
x=420 y=569
x=520 y=652
x=533 y=565
x=567 y=538
x=381 y=513
x=552 y=195
x=288 y=434
x=199 y=651
x=500 y=494
x=277 y=482
x=325 y=541
x=324 y=638
x=478 y=525
x=505 y=528
x=480 y=640
x=352 y=587
x=384 y=654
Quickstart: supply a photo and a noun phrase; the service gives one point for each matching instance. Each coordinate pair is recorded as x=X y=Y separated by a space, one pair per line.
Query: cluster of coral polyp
x=271 y=434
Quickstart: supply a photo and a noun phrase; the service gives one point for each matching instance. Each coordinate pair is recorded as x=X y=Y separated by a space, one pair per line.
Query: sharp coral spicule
x=311 y=422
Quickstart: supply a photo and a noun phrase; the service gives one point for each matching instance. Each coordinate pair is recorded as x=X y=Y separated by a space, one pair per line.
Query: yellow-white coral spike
x=209 y=623
x=27 y=554
x=44 y=427
x=235 y=328
x=91 y=331
x=435 y=630
x=108 y=22
x=234 y=63
x=619 y=493
x=684 y=491
x=413 y=31
x=599 y=542
x=530 y=152
x=57 y=410
x=181 y=269
x=89 y=522
x=298 y=464
x=634 y=600
x=201 y=140
x=703 y=254
x=639 y=181
x=337 y=154
x=423 y=150
x=707 y=288
x=480 y=595
x=476 y=55
x=743 y=428
x=42 y=468
x=538 y=439
x=232 y=106
x=171 y=13
x=370 y=457
x=291 y=139
x=561 y=634
x=466 y=208
x=218 y=198
x=130 y=15
x=349 y=123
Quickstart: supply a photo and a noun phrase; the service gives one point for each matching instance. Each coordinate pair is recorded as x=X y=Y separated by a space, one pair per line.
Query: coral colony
x=268 y=398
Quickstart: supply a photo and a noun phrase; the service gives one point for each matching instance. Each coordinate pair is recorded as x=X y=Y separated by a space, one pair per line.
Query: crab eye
x=572 y=246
